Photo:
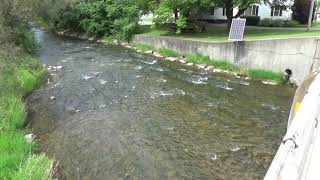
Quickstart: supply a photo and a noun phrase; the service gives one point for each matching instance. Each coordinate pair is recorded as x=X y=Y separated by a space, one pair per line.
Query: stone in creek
x=139 y=51
x=172 y=59
x=52 y=98
x=247 y=78
x=209 y=68
x=270 y=82
x=149 y=52
x=217 y=70
x=30 y=138
x=70 y=109
x=157 y=55
x=190 y=64
x=201 y=66
x=182 y=61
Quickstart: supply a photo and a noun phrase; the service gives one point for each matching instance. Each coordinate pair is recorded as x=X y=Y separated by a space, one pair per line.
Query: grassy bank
x=218 y=64
x=20 y=74
x=218 y=33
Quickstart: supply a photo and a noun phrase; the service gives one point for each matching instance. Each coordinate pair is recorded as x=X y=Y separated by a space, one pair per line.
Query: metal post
x=310 y=15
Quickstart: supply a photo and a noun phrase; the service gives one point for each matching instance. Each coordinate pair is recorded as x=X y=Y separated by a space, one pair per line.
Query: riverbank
x=213 y=65
x=19 y=158
x=200 y=61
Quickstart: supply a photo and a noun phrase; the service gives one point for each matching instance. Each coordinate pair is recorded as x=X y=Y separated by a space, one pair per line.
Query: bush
x=291 y=23
x=266 y=22
x=117 y=18
x=278 y=23
x=26 y=40
x=251 y=20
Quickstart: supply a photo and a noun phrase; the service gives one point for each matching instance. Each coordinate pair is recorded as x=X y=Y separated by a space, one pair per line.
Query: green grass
x=36 y=167
x=20 y=74
x=144 y=47
x=220 y=64
x=13 y=112
x=14 y=150
x=265 y=74
x=165 y=52
x=316 y=24
x=218 y=33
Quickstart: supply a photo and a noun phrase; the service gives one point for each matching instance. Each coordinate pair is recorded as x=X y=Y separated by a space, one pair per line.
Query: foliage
x=116 y=18
x=251 y=20
x=26 y=40
x=181 y=24
x=181 y=12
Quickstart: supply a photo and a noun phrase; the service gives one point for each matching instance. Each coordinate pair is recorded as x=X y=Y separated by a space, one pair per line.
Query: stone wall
x=301 y=55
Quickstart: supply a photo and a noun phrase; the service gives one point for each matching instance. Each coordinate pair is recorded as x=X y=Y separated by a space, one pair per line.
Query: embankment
x=300 y=55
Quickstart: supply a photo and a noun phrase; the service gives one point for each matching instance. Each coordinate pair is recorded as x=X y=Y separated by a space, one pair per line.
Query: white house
x=262 y=10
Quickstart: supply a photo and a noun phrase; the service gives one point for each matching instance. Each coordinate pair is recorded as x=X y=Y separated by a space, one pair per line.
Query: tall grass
x=36 y=167
x=19 y=75
x=14 y=150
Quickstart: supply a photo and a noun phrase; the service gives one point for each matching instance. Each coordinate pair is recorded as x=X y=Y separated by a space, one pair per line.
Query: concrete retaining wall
x=301 y=55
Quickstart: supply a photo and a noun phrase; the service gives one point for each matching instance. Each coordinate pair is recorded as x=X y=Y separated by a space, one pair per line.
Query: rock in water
x=270 y=82
x=30 y=138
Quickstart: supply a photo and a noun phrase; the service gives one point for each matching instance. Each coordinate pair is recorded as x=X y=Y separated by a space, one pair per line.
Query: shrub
x=117 y=18
x=278 y=23
x=266 y=22
x=291 y=23
x=181 y=24
x=26 y=40
x=252 y=20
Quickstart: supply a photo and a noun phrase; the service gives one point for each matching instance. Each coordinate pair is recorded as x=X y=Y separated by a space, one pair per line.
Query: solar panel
x=237 y=29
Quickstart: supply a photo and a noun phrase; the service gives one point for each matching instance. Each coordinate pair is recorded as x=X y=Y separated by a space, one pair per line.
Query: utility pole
x=310 y=15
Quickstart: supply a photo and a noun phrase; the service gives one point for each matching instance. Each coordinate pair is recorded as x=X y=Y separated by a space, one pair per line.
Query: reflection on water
x=120 y=115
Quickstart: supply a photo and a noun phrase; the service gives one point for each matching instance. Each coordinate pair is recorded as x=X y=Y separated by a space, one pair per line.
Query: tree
x=230 y=5
x=117 y=18
x=301 y=9
x=181 y=12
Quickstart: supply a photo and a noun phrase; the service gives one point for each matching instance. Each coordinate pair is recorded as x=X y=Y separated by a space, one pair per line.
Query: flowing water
x=117 y=114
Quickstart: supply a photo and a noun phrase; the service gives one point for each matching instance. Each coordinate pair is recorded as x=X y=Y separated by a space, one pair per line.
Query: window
x=276 y=10
x=252 y=11
x=224 y=12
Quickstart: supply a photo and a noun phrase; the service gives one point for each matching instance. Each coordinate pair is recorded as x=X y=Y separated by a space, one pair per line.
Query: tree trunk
x=176 y=15
x=229 y=13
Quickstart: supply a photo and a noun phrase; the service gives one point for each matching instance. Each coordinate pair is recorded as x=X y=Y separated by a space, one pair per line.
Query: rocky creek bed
x=110 y=113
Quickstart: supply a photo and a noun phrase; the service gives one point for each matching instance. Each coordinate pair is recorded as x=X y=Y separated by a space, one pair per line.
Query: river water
x=117 y=114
